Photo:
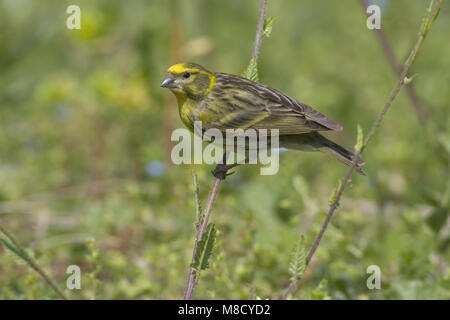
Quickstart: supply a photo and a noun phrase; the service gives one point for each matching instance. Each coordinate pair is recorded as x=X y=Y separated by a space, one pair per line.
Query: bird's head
x=189 y=80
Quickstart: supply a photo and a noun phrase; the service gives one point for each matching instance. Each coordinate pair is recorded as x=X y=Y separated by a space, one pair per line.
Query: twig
x=396 y=68
x=426 y=25
x=32 y=263
x=193 y=277
x=428 y=21
x=259 y=29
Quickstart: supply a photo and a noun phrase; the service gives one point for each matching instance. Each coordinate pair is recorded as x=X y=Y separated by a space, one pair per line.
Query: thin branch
x=32 y=263
x=193 y=277
x=259 y=30
x=427 y=23
x=396 y=68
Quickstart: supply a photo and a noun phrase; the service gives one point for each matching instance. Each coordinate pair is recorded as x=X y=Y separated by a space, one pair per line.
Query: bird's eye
x=186 y=74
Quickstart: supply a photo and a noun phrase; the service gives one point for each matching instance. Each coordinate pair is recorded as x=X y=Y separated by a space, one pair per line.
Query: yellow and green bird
x=225 y=101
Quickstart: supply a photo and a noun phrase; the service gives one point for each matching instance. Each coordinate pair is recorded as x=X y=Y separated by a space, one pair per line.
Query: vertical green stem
x=193 y=276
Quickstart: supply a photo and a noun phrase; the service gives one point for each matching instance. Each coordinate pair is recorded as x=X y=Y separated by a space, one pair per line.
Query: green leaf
x=252 y=70
x=297 y=264
x=204 y=248
x=334 y=193
x=267 y=28
x=360 y=139
x=407 y=80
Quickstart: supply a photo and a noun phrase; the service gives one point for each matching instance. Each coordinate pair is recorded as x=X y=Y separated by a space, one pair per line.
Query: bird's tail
x=327 y=146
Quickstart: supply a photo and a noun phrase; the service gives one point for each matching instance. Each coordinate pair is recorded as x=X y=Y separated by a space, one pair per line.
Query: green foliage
x=252 y=70
x=360 y=139
x=93 y=258
x=267 y=28
x=318 y=293
x=334 y=193
x=204 y=248
x=408 y=80
x=297 y=264
x=85 y=152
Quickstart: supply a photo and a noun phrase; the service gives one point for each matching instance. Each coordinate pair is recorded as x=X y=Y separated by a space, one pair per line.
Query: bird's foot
x=221 y=171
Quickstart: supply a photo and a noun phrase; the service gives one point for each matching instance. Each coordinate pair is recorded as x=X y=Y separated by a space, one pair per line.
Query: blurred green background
x=85 y=170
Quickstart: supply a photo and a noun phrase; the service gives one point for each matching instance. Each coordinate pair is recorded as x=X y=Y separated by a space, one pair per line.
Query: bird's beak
x=168 y=82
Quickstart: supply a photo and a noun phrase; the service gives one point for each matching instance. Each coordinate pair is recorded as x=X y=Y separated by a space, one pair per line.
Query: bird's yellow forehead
x=178 y=68
x=186 y=66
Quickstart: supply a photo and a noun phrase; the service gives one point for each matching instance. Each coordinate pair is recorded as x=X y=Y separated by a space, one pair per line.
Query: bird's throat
x=185 y=107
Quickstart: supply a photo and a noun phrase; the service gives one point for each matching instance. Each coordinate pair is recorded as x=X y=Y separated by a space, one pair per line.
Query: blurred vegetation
x=85 y=170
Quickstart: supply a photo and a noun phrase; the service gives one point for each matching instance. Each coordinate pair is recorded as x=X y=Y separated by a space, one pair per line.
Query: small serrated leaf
x=334 y=193
x=204 y=248
x=297 y=264
x=252 y=70
x=267 y=29
x=360 y=139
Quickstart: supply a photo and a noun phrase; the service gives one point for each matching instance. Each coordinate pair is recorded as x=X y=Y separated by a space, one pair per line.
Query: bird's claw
x=221 y=172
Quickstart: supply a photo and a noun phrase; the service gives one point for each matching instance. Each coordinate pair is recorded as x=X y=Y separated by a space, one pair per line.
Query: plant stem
x=396 y=68
x=427 y=23
x=259 y=27
x=193 y=277
x=32 y=263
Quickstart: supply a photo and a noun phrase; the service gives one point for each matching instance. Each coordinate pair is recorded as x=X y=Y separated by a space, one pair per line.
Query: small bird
x=225 y=101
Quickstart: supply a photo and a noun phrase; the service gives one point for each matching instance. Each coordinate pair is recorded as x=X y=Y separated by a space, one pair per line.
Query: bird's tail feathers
x=340 y=153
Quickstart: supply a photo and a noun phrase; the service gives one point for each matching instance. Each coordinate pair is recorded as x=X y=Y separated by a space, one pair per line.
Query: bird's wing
x=254 y=105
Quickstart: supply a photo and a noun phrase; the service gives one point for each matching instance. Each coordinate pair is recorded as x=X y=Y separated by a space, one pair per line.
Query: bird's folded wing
x=255 y=105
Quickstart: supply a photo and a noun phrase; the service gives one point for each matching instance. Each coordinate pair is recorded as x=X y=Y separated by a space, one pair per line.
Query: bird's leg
x=221 y=169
